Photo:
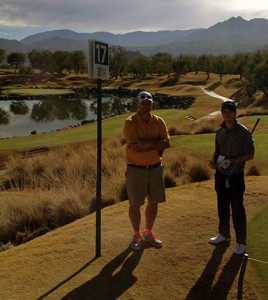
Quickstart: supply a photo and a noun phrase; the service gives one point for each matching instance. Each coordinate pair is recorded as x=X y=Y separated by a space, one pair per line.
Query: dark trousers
x=231 y=198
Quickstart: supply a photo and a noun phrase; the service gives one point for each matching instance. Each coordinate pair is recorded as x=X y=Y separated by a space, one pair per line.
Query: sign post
x=98 y=69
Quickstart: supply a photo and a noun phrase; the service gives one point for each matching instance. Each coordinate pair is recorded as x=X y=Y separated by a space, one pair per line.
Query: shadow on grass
x=204 y=288
x=109 y=284
x=67 y=279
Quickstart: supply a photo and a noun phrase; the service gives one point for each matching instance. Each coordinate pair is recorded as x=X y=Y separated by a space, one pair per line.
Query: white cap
x=145 y=96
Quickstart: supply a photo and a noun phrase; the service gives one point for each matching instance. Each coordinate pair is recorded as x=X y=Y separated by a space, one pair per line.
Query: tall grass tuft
x=253 y=170
x=199 y=171
x=169 y=180
x=206 y=124
x=176 y=130
x=53 y=189
x=43 y=192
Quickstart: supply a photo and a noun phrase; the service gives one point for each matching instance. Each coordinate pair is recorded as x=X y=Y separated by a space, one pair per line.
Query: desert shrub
x=123 y=192
x=253 y=111
x=69 y=210
x=104 y=203
x=175 y=162
x=39 y=212
x=205 y=129
x=177 y=167
x=4 y=156
x=20 y=218
x=4 y=247
x=169 y=181
x=25 y=70
x=198 y=171
x=253 y=171
x=206 y=124
x=173 y=130
x=58 y=187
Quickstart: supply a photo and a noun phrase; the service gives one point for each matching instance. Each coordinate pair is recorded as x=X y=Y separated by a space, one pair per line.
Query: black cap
x=228 y=104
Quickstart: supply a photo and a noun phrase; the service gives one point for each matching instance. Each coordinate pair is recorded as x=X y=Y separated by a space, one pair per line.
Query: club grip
x=257 y=122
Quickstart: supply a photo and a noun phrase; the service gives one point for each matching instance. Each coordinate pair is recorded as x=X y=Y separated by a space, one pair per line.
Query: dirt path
x=62 y=264
x=212 y=94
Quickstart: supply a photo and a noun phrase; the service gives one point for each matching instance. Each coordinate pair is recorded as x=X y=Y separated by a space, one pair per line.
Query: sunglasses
x=146 y=97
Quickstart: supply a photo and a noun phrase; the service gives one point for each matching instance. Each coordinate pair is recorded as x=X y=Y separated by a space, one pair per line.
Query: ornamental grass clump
x=43 y=192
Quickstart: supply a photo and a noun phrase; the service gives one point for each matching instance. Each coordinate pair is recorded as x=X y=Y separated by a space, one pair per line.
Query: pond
x=26 y=117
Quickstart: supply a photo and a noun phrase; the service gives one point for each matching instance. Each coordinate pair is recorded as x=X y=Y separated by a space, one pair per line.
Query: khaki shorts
x=142 y=183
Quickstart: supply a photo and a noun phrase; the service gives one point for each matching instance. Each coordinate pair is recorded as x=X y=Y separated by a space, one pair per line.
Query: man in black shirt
x=233 y=148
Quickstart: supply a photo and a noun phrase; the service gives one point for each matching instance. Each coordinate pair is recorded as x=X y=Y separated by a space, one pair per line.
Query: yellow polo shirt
x=136 y=129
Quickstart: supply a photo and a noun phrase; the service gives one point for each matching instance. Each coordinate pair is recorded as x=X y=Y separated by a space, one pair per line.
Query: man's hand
x=224 y=164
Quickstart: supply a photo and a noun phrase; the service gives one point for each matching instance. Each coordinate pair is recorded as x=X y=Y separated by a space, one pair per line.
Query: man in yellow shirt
x=146 y=138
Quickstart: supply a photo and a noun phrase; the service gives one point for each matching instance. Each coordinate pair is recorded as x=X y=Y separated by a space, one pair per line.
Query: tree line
x=47 y=61
x=252 y=68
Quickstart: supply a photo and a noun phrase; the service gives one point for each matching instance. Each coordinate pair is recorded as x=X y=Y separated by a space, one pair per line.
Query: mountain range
x=228 y=37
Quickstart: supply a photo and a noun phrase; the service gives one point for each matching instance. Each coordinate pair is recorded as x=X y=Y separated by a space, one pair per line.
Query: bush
x=176 y=131
x=177 y=168
x=206 y=125
x=169 y=181
x=253 y=171
x=199 y=171
x=25 y=70
x=205 y=129
x=59 y=186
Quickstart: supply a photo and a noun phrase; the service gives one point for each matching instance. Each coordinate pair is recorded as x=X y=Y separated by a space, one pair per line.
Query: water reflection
x=19 y=107
x=50 y=110
x=4 y=116
x=21 y=117
x=114 y=106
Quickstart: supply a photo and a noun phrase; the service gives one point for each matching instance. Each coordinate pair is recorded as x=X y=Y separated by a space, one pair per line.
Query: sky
x=21 y=18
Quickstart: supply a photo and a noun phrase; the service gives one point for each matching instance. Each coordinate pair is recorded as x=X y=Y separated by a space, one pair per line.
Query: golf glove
x=224 y=164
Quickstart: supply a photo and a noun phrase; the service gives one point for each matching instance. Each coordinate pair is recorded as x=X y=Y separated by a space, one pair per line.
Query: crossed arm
x=147 y=145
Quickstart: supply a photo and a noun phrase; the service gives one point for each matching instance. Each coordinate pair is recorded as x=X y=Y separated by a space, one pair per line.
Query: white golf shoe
x=218 y=239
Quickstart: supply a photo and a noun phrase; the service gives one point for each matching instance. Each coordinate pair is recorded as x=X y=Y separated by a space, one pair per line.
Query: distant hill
x=228 y=37
x=12 y=46
x=137 y=38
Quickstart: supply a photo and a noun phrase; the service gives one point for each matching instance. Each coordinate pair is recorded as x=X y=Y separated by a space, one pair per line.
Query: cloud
x=120 y=16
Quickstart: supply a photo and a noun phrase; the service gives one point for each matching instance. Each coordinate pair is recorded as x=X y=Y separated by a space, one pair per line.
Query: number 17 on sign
x=98 y=60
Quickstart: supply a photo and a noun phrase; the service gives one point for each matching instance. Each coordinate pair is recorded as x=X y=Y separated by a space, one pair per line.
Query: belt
x=145 y=167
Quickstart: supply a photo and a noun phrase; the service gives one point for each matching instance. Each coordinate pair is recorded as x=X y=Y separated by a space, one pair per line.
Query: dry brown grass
x=206 y=124
x=43 y=192
x=253 y=111
x=50 y=190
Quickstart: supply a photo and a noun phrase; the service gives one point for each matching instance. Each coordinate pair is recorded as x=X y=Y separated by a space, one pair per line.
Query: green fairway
x=204 y=144
x=110 y=127
x=258 y=245
x=199 y=143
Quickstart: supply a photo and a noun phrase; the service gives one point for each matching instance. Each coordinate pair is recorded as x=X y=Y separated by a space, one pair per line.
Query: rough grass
x=58 y=187
x=61 y=183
